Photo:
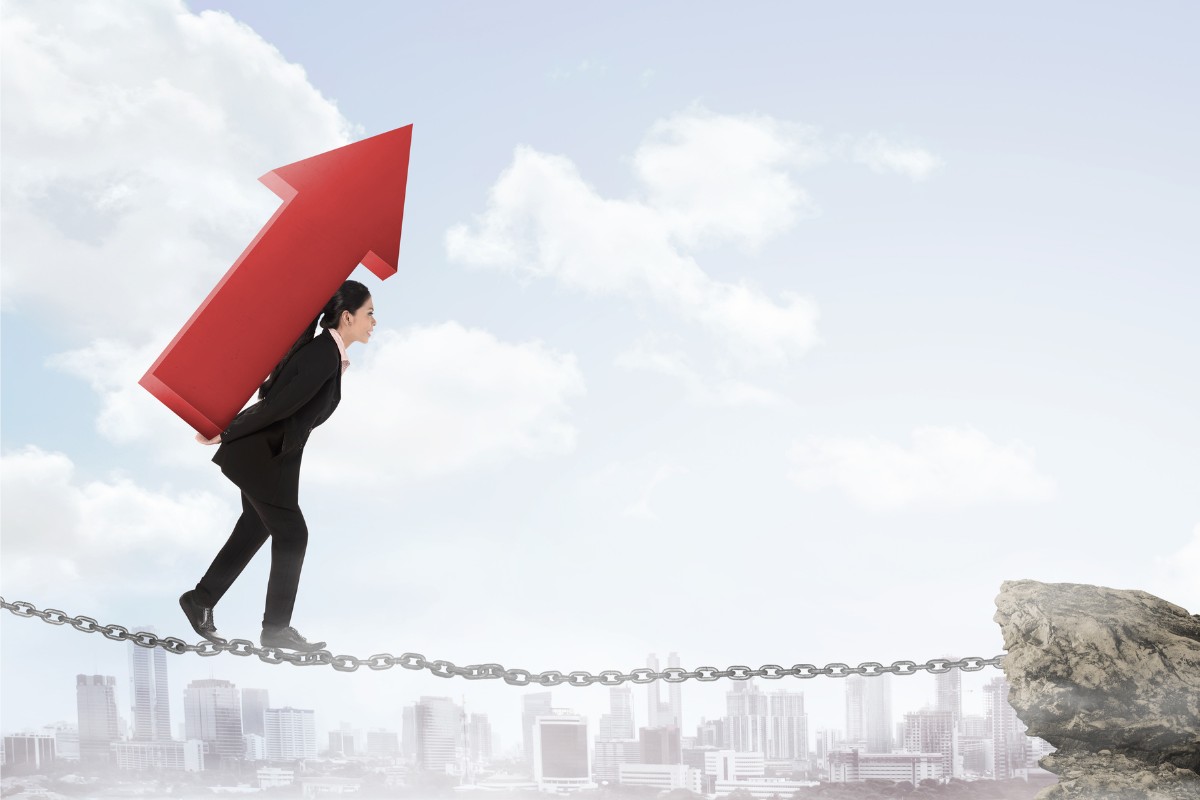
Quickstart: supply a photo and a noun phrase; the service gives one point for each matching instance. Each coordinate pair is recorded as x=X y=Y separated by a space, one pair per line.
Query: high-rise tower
x=949 y=691
x=96 y=698
x=149 y=703
x=879 y=713
x=212 y=713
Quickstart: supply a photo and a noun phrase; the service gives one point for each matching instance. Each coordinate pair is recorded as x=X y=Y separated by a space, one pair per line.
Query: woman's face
x=357 y=327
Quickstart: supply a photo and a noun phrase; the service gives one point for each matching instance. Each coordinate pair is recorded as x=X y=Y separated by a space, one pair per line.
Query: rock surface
x=1111 y=678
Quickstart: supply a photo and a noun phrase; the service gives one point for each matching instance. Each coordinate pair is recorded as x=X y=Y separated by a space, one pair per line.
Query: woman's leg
x=289 y=540
x=248 y=535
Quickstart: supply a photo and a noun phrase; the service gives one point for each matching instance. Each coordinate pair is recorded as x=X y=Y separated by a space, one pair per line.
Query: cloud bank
x=947 y=467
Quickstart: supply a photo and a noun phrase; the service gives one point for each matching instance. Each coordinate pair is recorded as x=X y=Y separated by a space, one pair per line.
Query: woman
x=260 y=452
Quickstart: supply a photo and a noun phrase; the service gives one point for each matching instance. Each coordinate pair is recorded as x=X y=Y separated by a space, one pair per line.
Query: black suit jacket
x=261 y=449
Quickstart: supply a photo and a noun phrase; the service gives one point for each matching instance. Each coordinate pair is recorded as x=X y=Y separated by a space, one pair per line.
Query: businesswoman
x=261 y=451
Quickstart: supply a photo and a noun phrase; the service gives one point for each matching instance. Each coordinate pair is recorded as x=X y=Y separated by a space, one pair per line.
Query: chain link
x=478 y=672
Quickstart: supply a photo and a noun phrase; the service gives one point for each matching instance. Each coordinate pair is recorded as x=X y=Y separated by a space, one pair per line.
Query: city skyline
x=560 y=697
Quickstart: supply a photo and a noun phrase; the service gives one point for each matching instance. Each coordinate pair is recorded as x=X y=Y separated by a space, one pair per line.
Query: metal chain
x=477 y=672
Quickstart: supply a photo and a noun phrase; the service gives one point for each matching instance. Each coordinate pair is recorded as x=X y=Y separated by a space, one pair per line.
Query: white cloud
x=1177 y=576
x=58 y=529
x=708 y=179
x=641 y=509
x=431 y=400
x=134 y=132
x=882 y=155
x=646 y=354
x=944 y=467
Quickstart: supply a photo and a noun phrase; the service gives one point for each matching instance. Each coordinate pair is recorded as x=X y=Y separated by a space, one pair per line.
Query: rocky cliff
x=1111 y=679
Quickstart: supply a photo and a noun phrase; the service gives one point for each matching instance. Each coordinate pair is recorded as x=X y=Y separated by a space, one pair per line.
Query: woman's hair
x=350 y=296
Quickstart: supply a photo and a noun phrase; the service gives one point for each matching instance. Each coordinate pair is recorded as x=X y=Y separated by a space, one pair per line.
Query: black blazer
x=261 y=449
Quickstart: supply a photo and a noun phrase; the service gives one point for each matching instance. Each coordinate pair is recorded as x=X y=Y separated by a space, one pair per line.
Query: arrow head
x=358 y=191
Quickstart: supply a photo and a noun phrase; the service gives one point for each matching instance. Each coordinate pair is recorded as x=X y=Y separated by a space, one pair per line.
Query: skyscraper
x=291 y=733
x=480 y=735
x=746 y=718
x=659 y=745
x=212 y=713
x=948 y=686
x=787 y=726
x=408 y=733
x=856 y=709
x=533 y=705
x=560 y=752
x=1008 y=732
x=658 y=713
x=615 y=740
x=149 y=703
x=254 y=703
x=96 y=698
x=879 y=713
x=932 y=731
x=439 y=728
x=618 y=722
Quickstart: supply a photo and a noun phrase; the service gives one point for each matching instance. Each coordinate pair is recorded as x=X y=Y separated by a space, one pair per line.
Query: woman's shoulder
x=315 y=353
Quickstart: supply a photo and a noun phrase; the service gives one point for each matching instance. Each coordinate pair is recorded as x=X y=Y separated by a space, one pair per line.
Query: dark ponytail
x=350 y=296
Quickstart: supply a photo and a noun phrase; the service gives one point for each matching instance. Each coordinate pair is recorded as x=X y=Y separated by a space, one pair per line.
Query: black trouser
x=289 y=539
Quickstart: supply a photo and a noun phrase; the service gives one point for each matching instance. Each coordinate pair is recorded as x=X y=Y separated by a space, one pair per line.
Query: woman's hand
x=215 y=440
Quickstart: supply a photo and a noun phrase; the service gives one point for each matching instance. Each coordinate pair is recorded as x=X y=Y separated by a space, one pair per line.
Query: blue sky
x=768 y=335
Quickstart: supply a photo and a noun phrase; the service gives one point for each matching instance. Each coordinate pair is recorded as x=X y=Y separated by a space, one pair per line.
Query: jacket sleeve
x=301 y=378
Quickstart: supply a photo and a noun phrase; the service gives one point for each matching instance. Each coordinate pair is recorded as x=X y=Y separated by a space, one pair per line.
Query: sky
x=774 y=334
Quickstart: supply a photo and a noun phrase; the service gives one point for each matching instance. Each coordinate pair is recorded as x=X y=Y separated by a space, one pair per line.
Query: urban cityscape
x=233 y=739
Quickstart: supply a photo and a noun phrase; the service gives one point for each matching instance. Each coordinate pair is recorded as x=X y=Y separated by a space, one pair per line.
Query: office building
x=408 y=733
x=254 y=703
x=439 y=730
x=66 y=740
x=34 y=749
x=96 y=699
x=193 y=755
x=856 y=709
x=773 y=724
x=616 y=739
x=272 y=777
x=787 y=726
x=826 y=740
x=746 y=718
x=974 y=726
x=256 y=746
x=853 y=765
x=618 y=722
x=561 y=762
x=1008 y=732
x=347 y=741
x=382 y=743
x=212 y=713
x=658 y=713
x=533 y=705
x=291 y=733
x=729 y=765
x=932 y=731
x=663 y=777
x=610 y=754
x=149 y=695
x=879 y=713
x=711 y=733
x=479 y=734
x=948 y=688
x=142 y=756
x=976 y=755
x=659 y=745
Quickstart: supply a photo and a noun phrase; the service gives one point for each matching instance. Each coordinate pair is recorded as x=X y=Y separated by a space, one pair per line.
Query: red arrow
x=340 y=209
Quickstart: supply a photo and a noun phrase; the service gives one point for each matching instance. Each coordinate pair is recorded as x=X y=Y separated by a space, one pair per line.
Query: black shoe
x=288 y=639
x=201 y=618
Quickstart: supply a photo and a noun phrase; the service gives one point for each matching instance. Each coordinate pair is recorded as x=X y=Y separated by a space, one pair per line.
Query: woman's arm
x=303 y=375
